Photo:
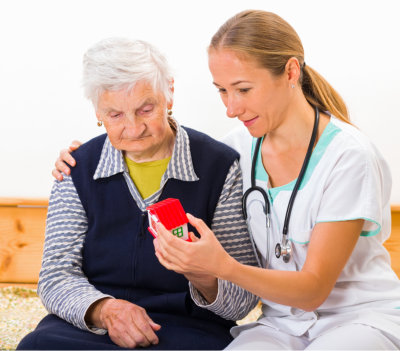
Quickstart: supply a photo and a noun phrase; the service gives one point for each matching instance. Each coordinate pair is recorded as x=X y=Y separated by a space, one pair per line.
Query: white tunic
x=346 y=179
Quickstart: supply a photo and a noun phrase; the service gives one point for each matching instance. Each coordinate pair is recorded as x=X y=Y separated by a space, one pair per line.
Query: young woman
x=318 y=205
x=316 y=199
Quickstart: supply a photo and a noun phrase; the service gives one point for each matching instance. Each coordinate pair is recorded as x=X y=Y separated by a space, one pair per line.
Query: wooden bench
x=22 y=228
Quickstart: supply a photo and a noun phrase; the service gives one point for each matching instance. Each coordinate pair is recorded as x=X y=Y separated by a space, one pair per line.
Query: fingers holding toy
x=205 y=255
x=170 y=250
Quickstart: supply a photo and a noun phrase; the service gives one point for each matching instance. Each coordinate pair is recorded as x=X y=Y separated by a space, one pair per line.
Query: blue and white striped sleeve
x=63 y=287
x=229 y=226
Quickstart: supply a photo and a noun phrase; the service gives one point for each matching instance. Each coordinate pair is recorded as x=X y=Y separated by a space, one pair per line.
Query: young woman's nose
x=233 y=107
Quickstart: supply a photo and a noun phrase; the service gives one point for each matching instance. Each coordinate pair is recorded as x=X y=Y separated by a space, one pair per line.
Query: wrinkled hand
x=128 y=324
x=63 y=158
x=203 y=257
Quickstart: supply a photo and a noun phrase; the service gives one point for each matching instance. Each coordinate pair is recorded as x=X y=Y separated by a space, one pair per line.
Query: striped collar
x=180 y=167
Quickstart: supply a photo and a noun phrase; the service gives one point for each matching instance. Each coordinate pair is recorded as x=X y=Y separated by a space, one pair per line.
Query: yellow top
x=147 y=175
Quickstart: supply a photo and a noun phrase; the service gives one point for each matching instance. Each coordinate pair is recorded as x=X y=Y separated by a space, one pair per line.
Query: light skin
x=136 y=123
x=267 y=105
x=128 y=325
x=60 y=165
x=274 y=106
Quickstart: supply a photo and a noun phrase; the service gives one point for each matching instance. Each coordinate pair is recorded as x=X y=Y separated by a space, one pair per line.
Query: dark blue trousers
x=176 y=333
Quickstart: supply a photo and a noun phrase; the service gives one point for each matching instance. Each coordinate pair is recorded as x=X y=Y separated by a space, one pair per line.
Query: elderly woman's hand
x=128 y=325
x=64 y=158
x=203 y=256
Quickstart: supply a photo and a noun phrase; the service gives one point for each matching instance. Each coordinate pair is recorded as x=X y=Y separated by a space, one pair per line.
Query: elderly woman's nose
x=134 y=125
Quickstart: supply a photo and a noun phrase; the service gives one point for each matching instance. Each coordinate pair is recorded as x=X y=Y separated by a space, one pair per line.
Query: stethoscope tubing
x=302 y=172
x=267 y=205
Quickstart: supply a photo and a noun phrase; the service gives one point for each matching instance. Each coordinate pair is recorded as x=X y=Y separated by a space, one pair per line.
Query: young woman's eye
x=244 y=90
x=222 y=90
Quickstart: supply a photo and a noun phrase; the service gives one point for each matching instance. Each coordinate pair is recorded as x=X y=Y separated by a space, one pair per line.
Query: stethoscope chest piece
x=283 y=250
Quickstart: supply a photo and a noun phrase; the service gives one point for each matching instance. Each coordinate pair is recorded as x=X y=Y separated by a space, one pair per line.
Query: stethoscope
x=284 y=248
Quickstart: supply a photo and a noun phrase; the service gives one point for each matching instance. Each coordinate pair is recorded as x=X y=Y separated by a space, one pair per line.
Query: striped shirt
x=63 y=287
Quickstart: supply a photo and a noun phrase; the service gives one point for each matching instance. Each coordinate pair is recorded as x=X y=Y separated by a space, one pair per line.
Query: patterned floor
x=21 y=310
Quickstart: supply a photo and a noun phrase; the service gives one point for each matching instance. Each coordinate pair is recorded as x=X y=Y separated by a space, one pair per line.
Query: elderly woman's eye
x=147 y=109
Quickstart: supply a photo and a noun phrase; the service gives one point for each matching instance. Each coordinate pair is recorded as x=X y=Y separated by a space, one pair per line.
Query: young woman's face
x=249 y=92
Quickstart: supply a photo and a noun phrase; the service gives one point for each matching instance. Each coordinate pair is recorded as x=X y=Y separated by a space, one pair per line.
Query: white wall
x=354 y=44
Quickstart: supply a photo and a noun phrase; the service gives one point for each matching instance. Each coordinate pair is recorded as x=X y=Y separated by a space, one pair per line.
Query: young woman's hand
x=203 y=256
x=63 y=159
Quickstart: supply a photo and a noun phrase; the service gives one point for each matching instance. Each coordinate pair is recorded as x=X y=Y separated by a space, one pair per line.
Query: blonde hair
x=271 y=41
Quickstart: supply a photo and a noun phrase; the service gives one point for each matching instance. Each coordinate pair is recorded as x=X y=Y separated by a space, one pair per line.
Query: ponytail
x=320 y=93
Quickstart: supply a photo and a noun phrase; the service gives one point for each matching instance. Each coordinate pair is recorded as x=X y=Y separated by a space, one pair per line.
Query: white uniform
x=346 y=179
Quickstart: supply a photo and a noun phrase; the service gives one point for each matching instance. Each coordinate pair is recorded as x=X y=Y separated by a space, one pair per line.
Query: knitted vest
x=118 y=253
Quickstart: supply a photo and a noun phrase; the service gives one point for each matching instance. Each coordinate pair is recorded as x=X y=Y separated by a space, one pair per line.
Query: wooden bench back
x=22 y=228
x=393 y=243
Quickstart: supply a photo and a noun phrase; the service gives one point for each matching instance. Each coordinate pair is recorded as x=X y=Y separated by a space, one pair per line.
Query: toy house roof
x=170 y=213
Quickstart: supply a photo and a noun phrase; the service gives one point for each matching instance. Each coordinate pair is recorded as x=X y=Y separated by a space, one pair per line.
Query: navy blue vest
x=118 y=253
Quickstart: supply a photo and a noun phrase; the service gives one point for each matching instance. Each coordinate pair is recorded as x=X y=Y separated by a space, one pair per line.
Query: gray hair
x=118 y=63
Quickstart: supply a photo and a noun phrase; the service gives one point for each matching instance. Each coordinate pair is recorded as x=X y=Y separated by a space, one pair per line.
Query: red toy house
x=171 y=214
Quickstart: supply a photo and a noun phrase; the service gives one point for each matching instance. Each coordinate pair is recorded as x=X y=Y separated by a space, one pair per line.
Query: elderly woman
x=100 y=279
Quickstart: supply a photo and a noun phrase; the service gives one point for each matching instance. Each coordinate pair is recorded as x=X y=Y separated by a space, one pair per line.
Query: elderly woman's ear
x=170 y=103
